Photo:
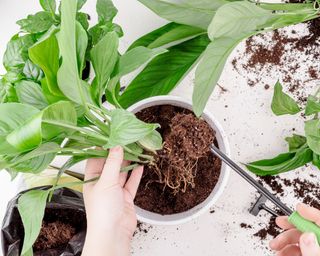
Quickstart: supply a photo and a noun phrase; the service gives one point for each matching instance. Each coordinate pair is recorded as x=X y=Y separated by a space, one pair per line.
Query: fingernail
x=116 y=148
x=309 y=239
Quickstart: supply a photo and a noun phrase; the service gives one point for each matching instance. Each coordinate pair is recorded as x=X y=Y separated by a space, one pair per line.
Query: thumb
x=309 y=245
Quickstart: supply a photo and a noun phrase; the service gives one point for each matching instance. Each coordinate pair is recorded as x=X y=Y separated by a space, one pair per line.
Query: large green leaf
x=31 y=93
x=135 y=58
x=31 y=206
x=234 y=19
x=69 y=81
x=165 y=71
x=125 y=128
x=184 y=13
x=282 y=163
x=34 y=161
x=45 y=53
x=104 y=57
x=282 y=103
x=169 y=33
x=37 y=23
x=106 y=10
x=209 y=70
x=43 y=125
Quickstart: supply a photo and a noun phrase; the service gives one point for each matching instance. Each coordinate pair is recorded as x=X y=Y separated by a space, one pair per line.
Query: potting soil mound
x=53 y=235
x=185 y=171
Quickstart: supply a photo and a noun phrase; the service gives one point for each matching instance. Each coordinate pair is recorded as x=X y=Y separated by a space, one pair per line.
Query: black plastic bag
x=66 y=205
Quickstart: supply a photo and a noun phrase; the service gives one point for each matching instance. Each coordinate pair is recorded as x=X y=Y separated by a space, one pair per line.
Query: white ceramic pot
x=179 y=218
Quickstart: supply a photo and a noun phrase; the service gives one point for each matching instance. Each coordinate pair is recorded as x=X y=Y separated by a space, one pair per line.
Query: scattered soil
x=185 y=171
x=246 y=226
x=304 y=190
x=58 y=228
x=290 y=54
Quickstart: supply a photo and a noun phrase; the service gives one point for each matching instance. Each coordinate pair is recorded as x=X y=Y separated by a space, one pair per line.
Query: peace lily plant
x=48 y=110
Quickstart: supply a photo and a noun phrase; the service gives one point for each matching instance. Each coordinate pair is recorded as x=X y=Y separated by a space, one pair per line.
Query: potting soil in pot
x=63 y=229
x=184 y=172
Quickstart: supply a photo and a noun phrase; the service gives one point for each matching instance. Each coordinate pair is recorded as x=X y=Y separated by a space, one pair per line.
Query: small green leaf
x=37 y=23
x=236 y=18
x=81 y=46
x=295 y=142
x=313 y=106
x=165 y=71
x=282 y=103
x=106 y=10
x=82 y=18
x=49 y=5
x=32 y=71
x=45 y=54
x=31 y=206
x=13 y=76
x=31 y=93
x=125 y=128
x=104 y=57
x=16 y=53
x=215 y=57
x=316 y=160
x=152 y=141
x=98 y=31
x=282 y=163
x=312 y=131
x=135 y=58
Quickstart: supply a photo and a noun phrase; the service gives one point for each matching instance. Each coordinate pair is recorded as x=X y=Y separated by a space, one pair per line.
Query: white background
x=245 y=115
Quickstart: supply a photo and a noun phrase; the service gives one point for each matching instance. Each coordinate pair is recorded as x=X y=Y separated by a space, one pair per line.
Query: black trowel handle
x=262 y=190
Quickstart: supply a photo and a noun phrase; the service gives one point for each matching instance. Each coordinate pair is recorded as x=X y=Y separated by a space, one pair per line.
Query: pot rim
x=193 y=213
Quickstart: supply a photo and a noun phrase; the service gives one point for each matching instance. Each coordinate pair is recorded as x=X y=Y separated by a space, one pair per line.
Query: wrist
x=106 y=242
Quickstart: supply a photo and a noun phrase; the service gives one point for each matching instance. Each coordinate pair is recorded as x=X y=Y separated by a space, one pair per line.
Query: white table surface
x=245 y=114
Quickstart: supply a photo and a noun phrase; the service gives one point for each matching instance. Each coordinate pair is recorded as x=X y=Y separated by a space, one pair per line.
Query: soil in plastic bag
x=63 y=229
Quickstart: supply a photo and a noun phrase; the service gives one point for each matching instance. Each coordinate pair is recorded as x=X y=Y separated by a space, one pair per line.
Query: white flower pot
x=179 y=218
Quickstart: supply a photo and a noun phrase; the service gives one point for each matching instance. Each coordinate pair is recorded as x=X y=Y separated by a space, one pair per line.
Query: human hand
x=292 y=242
x=111 y=216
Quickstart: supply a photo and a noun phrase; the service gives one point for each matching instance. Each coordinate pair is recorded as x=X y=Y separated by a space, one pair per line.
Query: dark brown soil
x=53 y=235
x=58 y=228
x=185 y=171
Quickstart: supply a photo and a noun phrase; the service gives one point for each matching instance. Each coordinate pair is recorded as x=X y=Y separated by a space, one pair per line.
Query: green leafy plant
x=49 y=107
x=302 y=149
x=222 y=24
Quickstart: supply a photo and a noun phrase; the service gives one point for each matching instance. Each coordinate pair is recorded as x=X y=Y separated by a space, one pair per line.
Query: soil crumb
x=289 y=54
x=53 y=235
x=185 y=171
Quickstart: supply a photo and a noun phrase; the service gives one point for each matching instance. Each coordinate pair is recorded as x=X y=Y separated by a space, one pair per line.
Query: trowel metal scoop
x=298 y=221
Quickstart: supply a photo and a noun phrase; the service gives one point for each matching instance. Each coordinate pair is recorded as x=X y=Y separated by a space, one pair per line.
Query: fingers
x=134 y=180
x=309 y=245
x=309 y=213
x=283 y=223
x=94 y=168
x=123 y=175
x=111 y=170
x=288 y=237
x=290 y=250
